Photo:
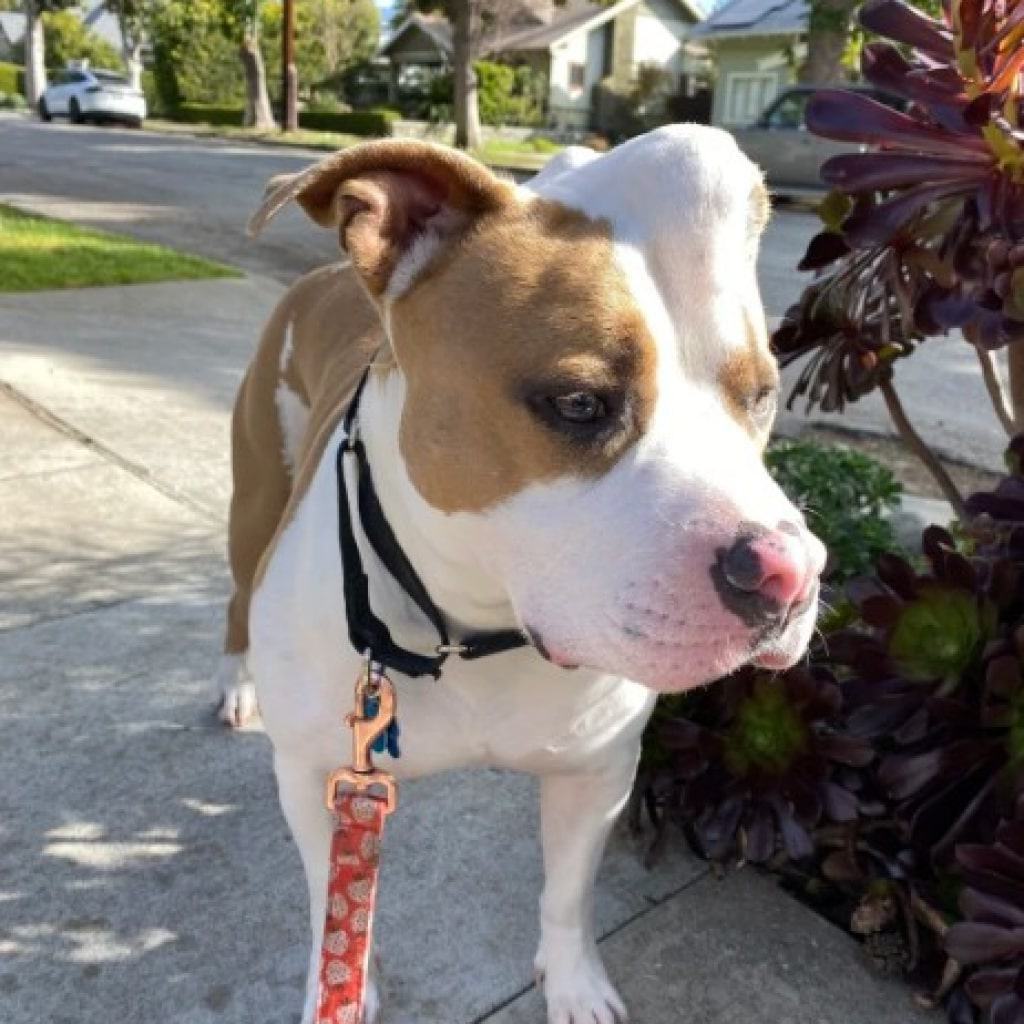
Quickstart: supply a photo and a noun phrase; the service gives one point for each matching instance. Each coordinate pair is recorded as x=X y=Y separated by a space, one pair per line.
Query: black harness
x=369 y=635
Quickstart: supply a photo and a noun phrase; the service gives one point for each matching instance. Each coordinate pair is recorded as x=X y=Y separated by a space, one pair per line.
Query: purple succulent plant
x=767 y=768
x=990 y=938
x=926 y=232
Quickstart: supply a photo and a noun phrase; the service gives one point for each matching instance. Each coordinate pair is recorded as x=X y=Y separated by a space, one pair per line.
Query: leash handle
x=351 y=900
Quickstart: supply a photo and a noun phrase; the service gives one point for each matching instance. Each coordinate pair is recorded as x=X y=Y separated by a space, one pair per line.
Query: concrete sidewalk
x=146 y=873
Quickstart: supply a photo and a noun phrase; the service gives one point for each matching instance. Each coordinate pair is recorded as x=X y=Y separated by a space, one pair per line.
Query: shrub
x=207 y=113
x=12 y=101
x=506 y=94
x=509 y=95
x=846 y=497
x=354 y=122
x=12 y=78
x=154 y=100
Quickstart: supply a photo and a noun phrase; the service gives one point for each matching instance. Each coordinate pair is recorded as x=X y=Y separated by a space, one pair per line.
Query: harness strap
x=367 y=632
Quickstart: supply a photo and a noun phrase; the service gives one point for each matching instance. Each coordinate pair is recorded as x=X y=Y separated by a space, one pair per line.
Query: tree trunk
x=257 y=102
x=829 y=25
x=35 y=66
x=467 y=111
x=1015 y=358
x=132 y=55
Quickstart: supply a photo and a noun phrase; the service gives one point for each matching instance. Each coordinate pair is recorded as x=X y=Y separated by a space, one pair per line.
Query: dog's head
x=588 y=388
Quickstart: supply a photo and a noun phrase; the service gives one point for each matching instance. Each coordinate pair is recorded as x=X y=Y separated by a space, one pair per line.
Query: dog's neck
x=439 y=546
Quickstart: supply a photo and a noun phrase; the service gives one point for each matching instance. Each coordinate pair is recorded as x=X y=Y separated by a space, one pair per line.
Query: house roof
x=12 y=24
x=435 y=26
x=751 y=18
x=537 y=25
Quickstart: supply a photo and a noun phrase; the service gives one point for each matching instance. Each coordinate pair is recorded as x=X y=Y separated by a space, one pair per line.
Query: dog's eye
x=762 y=404
x=580 y=407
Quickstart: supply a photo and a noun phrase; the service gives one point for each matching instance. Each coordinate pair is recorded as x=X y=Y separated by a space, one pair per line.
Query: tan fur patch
x=334 y=332
x=529 y=304
x=746 y=372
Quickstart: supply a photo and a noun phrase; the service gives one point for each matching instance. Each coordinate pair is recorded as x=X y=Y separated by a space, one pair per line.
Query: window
x=747 y=95
x=788 y=113
x=110 y=78
x=577 y=76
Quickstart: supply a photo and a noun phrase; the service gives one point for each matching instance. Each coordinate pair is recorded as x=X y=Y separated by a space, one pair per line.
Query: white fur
x=613 y=571
x=293 y=416
x=237 y=692
x=412 y=264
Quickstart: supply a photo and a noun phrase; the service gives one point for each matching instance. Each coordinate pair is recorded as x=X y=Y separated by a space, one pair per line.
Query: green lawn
x=38 y=253
x=529 y=155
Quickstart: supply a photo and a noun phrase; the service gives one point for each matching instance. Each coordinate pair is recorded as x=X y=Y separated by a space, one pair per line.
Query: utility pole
x=289 y=73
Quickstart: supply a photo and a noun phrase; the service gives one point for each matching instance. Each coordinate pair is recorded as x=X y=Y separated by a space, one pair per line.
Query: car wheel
x=134 y=122
x=75 y=112
x=44 y=111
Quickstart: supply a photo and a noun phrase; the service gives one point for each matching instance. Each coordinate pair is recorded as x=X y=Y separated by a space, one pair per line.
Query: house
x=756 y=46
x=581 y=48
x=12 y=32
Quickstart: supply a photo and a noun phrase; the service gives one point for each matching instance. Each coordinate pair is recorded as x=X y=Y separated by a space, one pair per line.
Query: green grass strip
x=38 y=253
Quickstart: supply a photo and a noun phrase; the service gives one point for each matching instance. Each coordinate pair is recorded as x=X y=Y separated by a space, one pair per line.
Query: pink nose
x=774 y=565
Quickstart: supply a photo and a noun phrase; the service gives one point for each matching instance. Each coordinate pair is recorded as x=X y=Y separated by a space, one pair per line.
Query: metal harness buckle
x=361 y=776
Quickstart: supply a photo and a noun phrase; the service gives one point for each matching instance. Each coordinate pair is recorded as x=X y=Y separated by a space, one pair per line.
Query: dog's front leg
x=301 y=789
x=578 y=810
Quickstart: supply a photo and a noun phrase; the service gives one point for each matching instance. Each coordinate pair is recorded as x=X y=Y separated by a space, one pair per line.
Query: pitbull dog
x=570 y=391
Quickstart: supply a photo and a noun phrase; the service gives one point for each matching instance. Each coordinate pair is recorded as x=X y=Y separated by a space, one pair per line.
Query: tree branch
x=1015 y=357
x=996 y=393
x=912 y=439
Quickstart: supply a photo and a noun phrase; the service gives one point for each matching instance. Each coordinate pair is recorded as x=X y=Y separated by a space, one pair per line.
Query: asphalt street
x=197 y=194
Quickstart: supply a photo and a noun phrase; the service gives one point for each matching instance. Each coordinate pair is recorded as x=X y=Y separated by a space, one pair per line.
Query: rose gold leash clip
x=362 y=776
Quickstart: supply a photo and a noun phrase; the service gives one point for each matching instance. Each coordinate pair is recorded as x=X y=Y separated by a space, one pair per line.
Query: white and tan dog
x=565 y=423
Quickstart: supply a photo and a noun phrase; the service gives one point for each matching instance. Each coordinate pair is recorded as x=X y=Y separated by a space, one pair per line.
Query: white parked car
x=85 y=94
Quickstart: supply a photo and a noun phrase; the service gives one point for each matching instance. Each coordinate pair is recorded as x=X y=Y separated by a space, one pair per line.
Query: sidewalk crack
x=140 y=472
x=652 y=903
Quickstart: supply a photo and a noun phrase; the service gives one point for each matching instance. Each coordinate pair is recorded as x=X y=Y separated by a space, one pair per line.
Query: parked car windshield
x=110 y=78
x=789 y=111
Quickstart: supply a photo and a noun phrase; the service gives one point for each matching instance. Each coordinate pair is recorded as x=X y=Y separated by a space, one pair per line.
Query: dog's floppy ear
x=386 y=197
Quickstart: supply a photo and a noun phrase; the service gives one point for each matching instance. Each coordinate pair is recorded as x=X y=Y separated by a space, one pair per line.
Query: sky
x=386 y=7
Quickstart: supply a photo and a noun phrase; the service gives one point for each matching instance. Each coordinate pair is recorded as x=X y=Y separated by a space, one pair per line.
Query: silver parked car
x=779 y=142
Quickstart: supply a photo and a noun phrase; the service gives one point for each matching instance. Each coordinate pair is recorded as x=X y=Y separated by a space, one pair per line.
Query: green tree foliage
x=330 y=36
x=67 y=38
x=194 y=60
x=506 y=94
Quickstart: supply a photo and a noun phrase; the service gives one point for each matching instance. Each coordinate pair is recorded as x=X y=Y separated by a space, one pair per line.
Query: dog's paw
x=576 y=987
x=237 y=692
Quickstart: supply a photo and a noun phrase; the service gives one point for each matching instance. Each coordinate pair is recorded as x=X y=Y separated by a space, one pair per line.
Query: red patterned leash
x=370 y=796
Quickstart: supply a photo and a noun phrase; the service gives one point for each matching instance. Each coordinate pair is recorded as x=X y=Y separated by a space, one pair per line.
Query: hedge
x=205 y=113
x=12 y=78
x=355 y=122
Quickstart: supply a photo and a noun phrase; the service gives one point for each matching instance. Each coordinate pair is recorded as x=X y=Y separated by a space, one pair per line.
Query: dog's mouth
x=554 y=657
x=777 y=645
x=780 y=644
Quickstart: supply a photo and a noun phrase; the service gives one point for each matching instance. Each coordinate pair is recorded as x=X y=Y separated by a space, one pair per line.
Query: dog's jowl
x=570 y=390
